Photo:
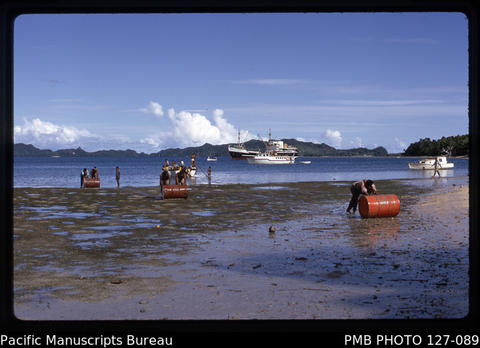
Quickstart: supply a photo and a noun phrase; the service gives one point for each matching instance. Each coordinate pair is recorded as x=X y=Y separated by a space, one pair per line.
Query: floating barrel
x=174 y=191
x=379 y=206
x=89 y=182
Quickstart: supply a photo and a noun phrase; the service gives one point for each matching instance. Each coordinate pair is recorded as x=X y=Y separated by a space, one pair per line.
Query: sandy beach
x=126 y=254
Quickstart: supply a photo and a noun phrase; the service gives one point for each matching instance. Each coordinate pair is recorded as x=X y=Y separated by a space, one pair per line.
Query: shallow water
x=144 y=172
x=96 y=254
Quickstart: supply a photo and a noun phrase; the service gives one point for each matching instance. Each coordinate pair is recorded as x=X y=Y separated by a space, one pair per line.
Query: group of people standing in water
x=94 y=175
x=180 y=171
x=85 y=175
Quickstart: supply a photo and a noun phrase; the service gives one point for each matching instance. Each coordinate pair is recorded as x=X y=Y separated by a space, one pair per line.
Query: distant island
x=451 y=146
x=305 y=148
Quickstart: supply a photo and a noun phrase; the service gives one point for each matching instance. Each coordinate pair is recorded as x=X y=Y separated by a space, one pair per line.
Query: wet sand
x=125 y=254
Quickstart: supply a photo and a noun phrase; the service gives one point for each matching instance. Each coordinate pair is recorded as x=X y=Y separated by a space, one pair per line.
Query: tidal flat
x=94 y=254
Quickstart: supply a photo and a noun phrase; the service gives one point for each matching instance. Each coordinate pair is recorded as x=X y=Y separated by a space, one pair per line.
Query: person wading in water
x=117 y=176
x=436 y=168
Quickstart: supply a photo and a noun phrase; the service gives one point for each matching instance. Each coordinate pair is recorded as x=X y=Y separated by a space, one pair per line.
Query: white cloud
x=311 y=140
x=400 y=145
x=154 y=141
x=333 y=138
x=158 y=139
x=246 y=136
x=225 y=128
x=193 y=129
x=154 y=109
x=43 y=133
x=356 y=142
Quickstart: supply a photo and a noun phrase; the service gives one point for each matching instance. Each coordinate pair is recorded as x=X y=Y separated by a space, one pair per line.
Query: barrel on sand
x=379 y=206
x=91 y=182
x=174 y=191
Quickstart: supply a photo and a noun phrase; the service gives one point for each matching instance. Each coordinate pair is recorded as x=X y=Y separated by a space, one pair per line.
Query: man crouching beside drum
x=366 y=187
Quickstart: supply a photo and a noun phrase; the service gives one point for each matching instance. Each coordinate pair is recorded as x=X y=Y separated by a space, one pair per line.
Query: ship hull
x=271 y=160
x=241 y=154
x=418 y=166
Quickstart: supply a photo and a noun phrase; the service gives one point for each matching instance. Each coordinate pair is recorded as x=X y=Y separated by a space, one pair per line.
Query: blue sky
x=154 y=81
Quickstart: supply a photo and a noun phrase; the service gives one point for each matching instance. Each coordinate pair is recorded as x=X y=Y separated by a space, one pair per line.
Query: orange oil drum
x=379 y=206
x=174 y=191
x=89 y=182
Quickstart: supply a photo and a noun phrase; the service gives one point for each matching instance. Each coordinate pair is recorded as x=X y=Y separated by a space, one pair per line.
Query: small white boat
x=305 y=162
x=429 y=164
x=211 y=159
x=271 y=159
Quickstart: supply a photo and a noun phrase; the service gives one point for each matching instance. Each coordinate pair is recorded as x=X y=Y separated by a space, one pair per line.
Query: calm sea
x=65 y=171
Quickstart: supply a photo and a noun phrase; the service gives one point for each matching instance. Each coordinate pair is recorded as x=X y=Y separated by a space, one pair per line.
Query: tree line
x=449 y=146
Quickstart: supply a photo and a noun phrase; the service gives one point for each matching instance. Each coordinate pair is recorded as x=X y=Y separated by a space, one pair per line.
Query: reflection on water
x=371 y=232
x=438 y=183
x=446 y=173
x=204 y=212
x=269 y=188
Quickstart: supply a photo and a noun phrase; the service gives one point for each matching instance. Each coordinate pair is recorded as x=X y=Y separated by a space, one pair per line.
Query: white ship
x=277 y=153
x=266 y=158
x=429 y=164
x=277 y=147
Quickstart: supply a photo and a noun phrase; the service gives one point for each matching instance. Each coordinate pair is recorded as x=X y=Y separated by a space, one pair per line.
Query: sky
x=148 y=82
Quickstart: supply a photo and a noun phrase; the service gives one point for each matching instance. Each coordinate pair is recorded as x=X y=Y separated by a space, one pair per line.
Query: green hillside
x=305 y=149
x=451 y=146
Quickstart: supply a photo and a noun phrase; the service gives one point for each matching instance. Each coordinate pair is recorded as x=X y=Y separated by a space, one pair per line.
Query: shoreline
x=125 y=254
x=204 y=184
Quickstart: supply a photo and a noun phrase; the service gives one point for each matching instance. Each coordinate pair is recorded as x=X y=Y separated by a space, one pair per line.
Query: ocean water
x=138 y=172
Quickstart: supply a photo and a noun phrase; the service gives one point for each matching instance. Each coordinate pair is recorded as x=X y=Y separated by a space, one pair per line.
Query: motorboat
x=211 y=159
x=429 y=163
x=305 y=162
